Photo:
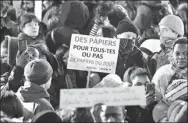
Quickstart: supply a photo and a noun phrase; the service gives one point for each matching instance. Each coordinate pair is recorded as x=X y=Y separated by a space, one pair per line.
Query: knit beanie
x=111 y=80
x=117 y=14
x=127 y=26
x=46 y=117
x=38 y=71
x=177 y=90
x=174 y=23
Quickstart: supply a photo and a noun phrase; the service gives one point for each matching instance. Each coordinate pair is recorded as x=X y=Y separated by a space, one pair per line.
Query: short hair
x=182 y=40
x=11 y=105
x=139 y=72
x=27 y=18
x=108 y=31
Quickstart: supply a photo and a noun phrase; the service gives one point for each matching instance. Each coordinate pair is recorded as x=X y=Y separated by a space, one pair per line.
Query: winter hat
x=177 y=90
x=38 y=71
x=127 y=26
x=47 y=117
x=117 y=14
x=174 y=23
x=62 y=35
x=111 y=80
x=75 y=14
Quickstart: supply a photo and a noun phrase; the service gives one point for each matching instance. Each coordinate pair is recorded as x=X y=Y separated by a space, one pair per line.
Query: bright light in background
x=38 y=9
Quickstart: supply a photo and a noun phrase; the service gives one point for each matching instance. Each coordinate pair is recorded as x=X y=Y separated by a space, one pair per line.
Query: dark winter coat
x=136 y=114
x=135 y=58
x=35 y=95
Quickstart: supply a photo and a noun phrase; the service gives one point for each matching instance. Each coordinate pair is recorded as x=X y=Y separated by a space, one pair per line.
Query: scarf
x=167 y=43
x=126 y=47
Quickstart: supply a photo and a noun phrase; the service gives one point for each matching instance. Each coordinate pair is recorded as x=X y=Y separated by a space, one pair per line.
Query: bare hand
x=22 y=59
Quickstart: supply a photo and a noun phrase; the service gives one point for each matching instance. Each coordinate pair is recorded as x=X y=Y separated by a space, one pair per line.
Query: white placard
x=128 y=96
x=91 y=53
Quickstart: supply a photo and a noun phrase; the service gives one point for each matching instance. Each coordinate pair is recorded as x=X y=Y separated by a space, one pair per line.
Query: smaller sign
x=129 y=96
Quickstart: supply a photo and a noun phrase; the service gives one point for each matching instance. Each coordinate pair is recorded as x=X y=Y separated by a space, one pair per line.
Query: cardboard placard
x=89 y=53
x=128 y=96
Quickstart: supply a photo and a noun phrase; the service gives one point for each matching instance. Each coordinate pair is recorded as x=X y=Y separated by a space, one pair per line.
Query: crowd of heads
x=32 y=76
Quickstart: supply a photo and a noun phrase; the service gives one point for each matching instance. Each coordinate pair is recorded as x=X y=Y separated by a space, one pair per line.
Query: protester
x=11 y=105
x=101 y=17
x=103 y=113
x=129 y=54
x=14 y=79
x=140 y=77
x=94 y=79
x=172 y=75
x=38 y=75
x=8 y=26
x=51 y=9
x=171 y=27
x=81 y=115
x=47 y=117
x=72 y=10
x=27 y=6
x=117 y=14
x=29 y=26
x=32 y=79
x=177 y=66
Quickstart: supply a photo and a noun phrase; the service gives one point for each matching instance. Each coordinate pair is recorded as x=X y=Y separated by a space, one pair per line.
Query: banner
x=129 y=96
x=91 y=53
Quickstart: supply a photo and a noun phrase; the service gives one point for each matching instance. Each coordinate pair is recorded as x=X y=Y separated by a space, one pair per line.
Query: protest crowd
x=39 y=54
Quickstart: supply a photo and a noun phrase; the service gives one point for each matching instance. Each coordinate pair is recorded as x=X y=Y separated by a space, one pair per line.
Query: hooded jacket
x=36 y=96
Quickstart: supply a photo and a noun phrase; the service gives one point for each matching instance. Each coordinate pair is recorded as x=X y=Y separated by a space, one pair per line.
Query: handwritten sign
x=110 y=96
x=91 y=53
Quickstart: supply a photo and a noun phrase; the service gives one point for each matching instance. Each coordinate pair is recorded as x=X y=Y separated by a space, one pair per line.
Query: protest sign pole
x=88 y=76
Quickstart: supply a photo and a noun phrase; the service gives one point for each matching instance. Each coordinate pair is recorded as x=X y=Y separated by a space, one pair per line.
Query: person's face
x=94 y=79
x=31 y=29
x=28 y=5
x=180 y=55
x=99 y=33
x=140 y=81
x=127 y=41
x=113 y=114
x=165 y=34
